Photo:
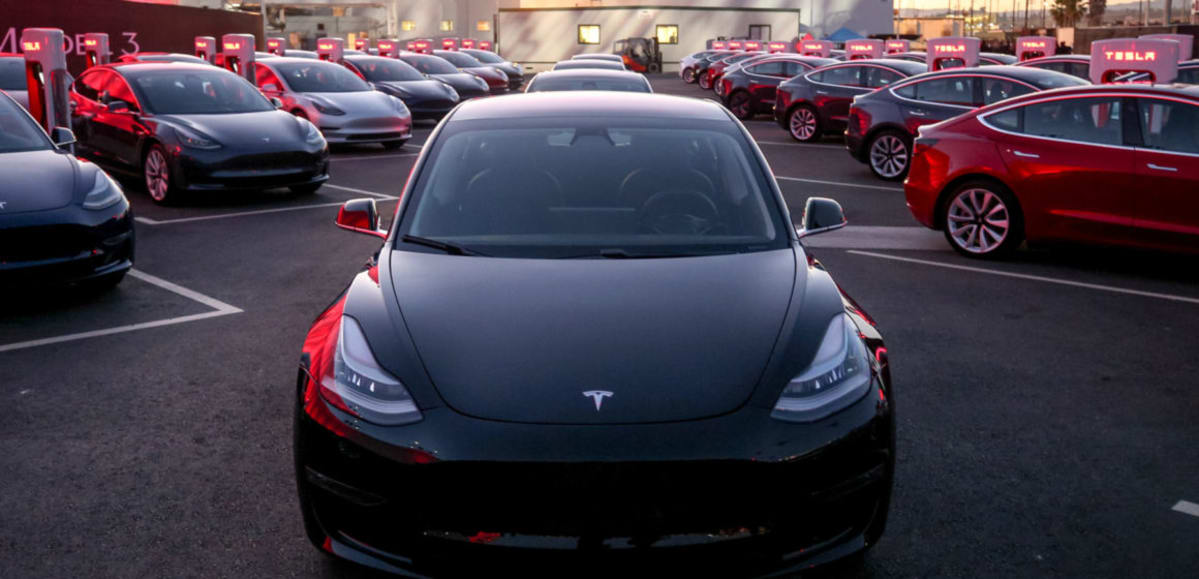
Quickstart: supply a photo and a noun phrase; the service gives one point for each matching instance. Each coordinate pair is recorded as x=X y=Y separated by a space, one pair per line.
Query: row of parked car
x=997 y=154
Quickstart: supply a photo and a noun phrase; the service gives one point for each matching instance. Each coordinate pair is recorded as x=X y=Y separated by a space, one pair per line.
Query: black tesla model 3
x=62 y=220
x=592 y=335
x=426 y=98
x=193 y=127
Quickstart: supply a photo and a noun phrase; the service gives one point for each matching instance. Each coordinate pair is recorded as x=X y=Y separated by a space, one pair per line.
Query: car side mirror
x=820 y=215
x=360 y=216
x=118 y=106
x=270 y=87
x=276 y=102
x=63 y=137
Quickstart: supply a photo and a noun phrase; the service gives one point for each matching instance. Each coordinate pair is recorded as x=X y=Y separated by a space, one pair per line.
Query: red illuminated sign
x=468 y=43
x=232 y=46
x=322 y=46
x=90 y=42
x=272 y=43
x=718 y=44
x=360 y=44
x=752 y=45
x=950 y=48
x=201 y=45
x=813 y=47
x=1033 y=44
x=1130 y=55
x=447 y=43
x=900 y=45
x=30 y=46
x=485 y=44
x=734 y=45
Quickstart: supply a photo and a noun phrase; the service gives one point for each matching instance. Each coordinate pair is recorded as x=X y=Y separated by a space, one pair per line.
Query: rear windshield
x=1057 y=80
x=595 y=187
x=460 y=60
x=386 y=69
x=319 y=76
x=588 y=63
x=18 y=132
x=430 y=64
x=197 y=92
x=485 y=56
x=12 y=74
x=586 y=83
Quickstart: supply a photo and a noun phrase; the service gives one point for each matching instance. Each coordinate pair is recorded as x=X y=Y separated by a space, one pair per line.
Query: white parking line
x=813 y=145
x=880 y=237
x=373 y=157
x=840 y=184
x=219 y=308
x=1186 y=507
x=1053 y=280
x=361 y=191
x=382 y=196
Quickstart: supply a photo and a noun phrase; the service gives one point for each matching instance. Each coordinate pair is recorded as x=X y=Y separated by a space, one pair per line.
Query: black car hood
x=36 y=181
x=421 y=89
x=265 y=131
x=461 y=81
x=522 y=340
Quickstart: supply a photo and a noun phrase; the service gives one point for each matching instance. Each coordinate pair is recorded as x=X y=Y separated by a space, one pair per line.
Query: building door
x=759 y=32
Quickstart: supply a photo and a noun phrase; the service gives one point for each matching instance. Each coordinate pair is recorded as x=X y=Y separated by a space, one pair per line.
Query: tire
x=689 y=76
x=156 y=176
x=393 y=145
x=654 y=68
x=889 y=155
x=741 y=104
x=983 y=220
x=705 y=81
x=803 y=124
x=306 y=189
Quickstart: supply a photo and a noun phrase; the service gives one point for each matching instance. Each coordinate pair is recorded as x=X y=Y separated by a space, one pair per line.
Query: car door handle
x=822 y=92
x=1025 y=155
x=919 y=114
x=1162 y=168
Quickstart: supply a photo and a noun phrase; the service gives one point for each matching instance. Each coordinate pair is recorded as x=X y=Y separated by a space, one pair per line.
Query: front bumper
x=430 y=108
x=380 y=130
x=66 y=245
x=225 y=170
x=742 y=489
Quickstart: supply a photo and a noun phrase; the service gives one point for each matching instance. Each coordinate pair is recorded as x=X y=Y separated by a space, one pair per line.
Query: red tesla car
x=1110 y=164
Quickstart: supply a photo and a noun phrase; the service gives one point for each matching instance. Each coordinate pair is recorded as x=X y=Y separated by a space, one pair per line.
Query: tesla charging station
x=206 y=49
x=717 y=45
x=95 y=49
x=1140 y=60
x=484 y=45
x=1029 y=47
x=276 y=45
x=449 y=43
x=361 y=44
x=953 y=52
x=1186 y=43
x=777 y=46
x=468 y=43
x=331 y=49
x=751 y=45
x=238 y=50
x=47 y=78
x=821 y=48
x=898 y=45
x=734 y=45
x=388 y=49
x=864 y=48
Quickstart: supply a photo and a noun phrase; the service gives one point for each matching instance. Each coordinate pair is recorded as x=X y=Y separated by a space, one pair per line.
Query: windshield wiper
x=449 y=248
x=623 y=254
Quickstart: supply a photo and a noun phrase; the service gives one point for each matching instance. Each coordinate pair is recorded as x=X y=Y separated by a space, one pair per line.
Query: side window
x=792 y=68
x=773 y=68
x=1009 y=120
x=1189 y=75
x=1169 y=125
x=1086 y=120
x=119 y=90
x=1055 y=66
x=89 y=85
x=954 y=90
x=997 y=89
x=842 y=76
x=1080 y=69
x=880 y=77
x=265 y=76
x=907 y=91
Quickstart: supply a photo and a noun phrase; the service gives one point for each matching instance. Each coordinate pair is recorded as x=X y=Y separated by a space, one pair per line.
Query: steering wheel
x=679 y=212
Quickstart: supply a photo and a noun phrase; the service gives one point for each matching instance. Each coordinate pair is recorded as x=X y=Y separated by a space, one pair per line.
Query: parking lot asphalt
x=1048 y=405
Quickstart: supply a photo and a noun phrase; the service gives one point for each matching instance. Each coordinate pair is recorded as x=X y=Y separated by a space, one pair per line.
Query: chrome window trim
x=847 y=64
x=982 y=119
x=907 y=82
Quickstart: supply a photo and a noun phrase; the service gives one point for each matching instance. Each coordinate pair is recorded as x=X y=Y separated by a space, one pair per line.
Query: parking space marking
x=361 y=192
x=1030 y=277
x=219 y=308
x=880 y=237
x=1186 y=507
x=372 y=157
x=381 y=196
x=785 y=144
x=840 y=184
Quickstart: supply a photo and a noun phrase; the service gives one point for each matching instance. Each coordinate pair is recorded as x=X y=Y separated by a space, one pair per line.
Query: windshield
x=319 y=76
x=1058 y=80
x=430 y=64
x=386 y=69
x=459 y=59
x=545 y=84
x=588 y=63
x=18 y=132
x=12 y=74
x=484 y=56
x=739 y=58
x=171 y=58
x=197 y=92
x=597 y=187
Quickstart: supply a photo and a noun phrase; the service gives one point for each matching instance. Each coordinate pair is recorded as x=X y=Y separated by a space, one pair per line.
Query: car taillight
x=725 y=86
x=922 y=144
x=859 y=121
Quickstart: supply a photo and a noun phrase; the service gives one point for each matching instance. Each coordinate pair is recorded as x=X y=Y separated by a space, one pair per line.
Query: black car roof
x=592 y=73
x=583 y=104
x=905 y=66
x=1028 y=74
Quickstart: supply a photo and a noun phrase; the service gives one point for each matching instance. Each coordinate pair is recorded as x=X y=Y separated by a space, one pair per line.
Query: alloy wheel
x=739 y=104
x=889 y=156
x=803 y=124
x=978 y=221
x=158 y=179
x=688 y=76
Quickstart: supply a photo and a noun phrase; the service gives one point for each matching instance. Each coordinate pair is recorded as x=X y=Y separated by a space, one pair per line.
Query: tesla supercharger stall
x=484 y=45
x=46 y=75
x=388 y=49
x=449 y=44
x=237 y=51
x=468 y=43
x=953 y=52
x=331 y=49
x=205 y=48
x=1134 y=60
x=95 y=49
x=779 y=47
x=717 y=45
x=898 y=45
x=420 y=46
x=864 y=48
x=276 y=45
x=1029 y=47
x=734 y=45
x=361 y=44
x=1186 y=43
x=820 y=48
x=751 y=46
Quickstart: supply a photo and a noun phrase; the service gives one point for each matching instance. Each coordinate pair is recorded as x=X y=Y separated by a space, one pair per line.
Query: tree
x=1095 y=10
x=1067 y=12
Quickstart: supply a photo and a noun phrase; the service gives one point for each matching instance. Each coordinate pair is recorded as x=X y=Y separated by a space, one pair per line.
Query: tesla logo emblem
x=266 y=139
x=3 y=204
x=598 y=396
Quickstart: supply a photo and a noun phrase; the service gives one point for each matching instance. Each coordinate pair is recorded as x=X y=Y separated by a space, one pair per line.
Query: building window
x=667 y=33
x=589 y=34
x=447 y=25
x=407 y=25
x=483 y=26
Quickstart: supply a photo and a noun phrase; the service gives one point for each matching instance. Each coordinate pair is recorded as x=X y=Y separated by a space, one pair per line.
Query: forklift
x=640 y=54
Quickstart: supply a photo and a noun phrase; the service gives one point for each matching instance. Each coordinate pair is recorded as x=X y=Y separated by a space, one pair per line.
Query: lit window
x=589 y=34
x=483 y=26
x=668 y=33
x=407 y=25
x=447 y=25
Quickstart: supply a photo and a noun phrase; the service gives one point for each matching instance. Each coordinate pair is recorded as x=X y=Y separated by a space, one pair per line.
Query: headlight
x=400 y=107
x=327 y=109
x=104 y=192
x=361 y=387
x=312 y=135
x=838 y=376
x=194 y=140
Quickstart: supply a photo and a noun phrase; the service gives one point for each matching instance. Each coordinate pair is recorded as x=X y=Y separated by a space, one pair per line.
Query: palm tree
x=1067 y=12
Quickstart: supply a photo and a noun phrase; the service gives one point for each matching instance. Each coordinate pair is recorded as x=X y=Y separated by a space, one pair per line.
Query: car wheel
x=889 y=155
x=803 y=124
x=705 y=81
x=741 y=105
x=306 y=189
x=157 y=174
x=653 y=68
x=689 y=76
x=393 y=145
x=982 y=219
